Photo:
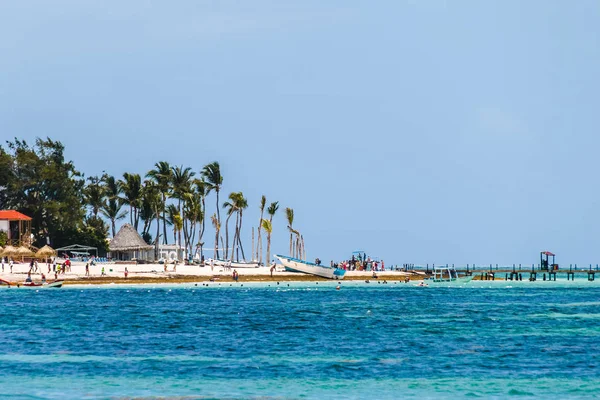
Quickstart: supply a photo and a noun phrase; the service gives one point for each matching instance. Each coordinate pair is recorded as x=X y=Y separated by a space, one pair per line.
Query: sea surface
x=305 y=340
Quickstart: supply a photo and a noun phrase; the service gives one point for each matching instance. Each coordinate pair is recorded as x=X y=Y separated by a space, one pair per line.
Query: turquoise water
x=303 y=341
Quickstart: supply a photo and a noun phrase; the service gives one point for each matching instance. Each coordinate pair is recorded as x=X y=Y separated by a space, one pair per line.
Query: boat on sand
x=296 y=265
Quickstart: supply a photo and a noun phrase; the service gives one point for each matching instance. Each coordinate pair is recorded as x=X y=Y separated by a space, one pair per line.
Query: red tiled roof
x=12 y=215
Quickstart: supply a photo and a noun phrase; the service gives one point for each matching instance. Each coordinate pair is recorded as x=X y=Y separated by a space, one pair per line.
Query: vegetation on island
x=67 y=207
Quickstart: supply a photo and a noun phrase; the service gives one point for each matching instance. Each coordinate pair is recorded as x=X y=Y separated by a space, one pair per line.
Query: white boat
x=32 y=285
x=296 y=265
x=445 y=275
x=234 y=264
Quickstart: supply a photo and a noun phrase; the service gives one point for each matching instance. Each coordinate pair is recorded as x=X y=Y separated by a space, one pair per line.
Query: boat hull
x=32 y=285
x=295 y=265
x=221 y=263
x=455 y=281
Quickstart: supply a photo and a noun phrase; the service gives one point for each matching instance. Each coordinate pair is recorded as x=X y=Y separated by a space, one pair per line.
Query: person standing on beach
x=10 y=264
x=126 y=272
x=2 y=261
x=87 y=269
x=103 y=273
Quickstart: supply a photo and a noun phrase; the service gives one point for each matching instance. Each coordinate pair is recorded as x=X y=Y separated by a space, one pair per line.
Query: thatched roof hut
x=128 y=244
x=45 y=251
x=9 y=251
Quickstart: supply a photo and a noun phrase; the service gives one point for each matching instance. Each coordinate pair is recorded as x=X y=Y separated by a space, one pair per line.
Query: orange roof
x=12 y=215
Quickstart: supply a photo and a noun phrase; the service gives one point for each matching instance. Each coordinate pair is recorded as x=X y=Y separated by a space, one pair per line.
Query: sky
x=424 y=131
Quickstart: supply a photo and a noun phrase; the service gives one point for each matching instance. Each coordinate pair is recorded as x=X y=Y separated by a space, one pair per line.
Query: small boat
x=235 y=264
x=296 y=265
x=444 y=275
x=33 y=285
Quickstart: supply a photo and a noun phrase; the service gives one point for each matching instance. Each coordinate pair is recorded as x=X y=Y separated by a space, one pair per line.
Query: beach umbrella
x=45 y=252
x=9 y=251
x=24 y=252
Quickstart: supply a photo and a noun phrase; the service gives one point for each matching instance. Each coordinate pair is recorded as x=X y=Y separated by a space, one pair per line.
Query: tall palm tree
x=217 y=226
x=172 y=213
x=181 y=184
x=271 y=210
x=111 y=209
x=259 y=252
x=202 y=191
x=231 y=207
x=242 y=204
x=289 y=214
x=112 y=188
x=152 y=197
x=93 y=195
x=131 y=186
x=212 y=175
x=161 y=175
x=192 y=213
x=268 y=227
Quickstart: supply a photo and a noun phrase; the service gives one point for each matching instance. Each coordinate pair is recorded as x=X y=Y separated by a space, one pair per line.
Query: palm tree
x=202 y=191
x=289 y=214
x=268 y=227
x=112 y=188
x=242 y=204
x=131 y=186
x=217 y=225
x=212 y=175
x=271 y=210
x=231 y=207
x=192 y=212
x=161 y=175
x=181 y=184
x=259 y=252
x=93 y=194
x=172 y=213
x=111 y=209
x=152 y=197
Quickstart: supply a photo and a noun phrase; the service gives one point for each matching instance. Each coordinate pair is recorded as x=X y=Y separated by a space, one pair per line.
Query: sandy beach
x=155 y=273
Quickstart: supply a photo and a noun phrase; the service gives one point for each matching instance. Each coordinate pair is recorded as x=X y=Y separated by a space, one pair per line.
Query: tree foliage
x=37 y=181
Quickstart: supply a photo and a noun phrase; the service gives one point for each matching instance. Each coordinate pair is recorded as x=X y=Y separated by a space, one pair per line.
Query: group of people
x=360 y=263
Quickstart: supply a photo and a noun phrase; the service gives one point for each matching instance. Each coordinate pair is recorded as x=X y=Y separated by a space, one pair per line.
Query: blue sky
x=419 y=131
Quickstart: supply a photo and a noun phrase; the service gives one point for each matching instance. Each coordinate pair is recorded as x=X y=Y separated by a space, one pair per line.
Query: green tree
x=131 y=187
x=271 y=210
x=289 y=214
x=259 y=249
x=40 y=183
x=268 y=227
x=161 y=175
x=111 y=209
x=213 y=178
x=93 y=194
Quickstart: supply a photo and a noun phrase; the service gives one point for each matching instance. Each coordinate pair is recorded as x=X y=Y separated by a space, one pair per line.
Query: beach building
x=17 y=227
x=129 y=245
x=171 y=252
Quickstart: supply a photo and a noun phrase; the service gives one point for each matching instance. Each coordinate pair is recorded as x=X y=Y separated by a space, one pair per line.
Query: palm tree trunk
x=239 y=236
x=157 y=234
x=234 y=237
x=226 y=249
x=164 y=218
x=268 y=248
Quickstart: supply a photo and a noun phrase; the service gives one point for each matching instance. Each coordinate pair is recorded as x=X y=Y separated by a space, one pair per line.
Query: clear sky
x=418 y=131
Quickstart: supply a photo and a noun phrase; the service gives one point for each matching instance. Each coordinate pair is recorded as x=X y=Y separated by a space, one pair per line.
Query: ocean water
x=308 y=340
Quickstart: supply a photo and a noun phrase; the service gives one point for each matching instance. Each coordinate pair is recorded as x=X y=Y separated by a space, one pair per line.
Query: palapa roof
x=12 y=215
x=128 y=239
